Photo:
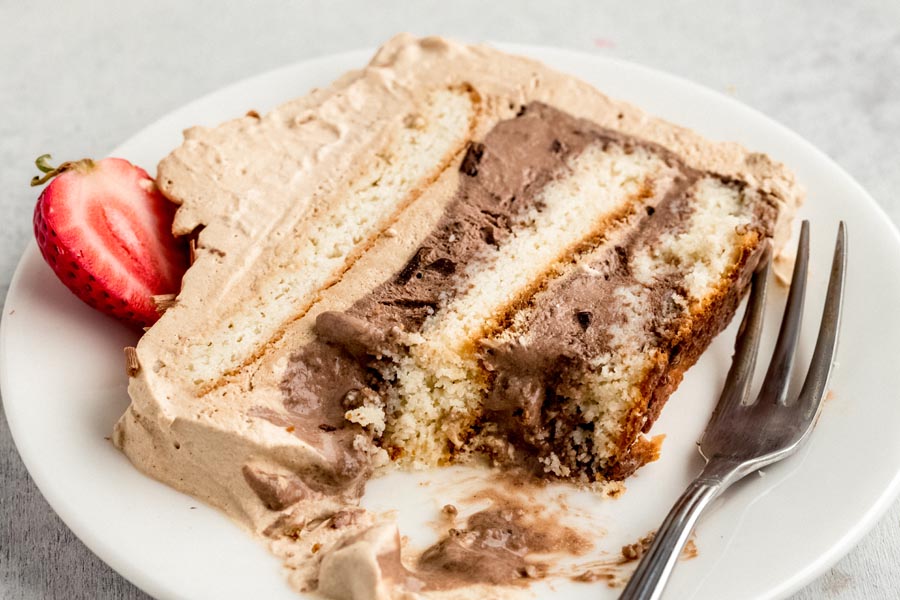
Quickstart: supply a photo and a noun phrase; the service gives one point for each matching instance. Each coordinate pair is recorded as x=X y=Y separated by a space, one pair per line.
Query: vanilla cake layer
x=453 y=252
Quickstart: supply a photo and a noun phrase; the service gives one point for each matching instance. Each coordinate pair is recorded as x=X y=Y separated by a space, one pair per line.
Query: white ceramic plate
x=64 y=387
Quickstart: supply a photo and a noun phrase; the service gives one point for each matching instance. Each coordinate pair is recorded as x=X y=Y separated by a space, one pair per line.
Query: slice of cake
x=453 y=253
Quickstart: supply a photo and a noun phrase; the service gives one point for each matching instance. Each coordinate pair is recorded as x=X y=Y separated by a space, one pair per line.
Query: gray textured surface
x=77 y=79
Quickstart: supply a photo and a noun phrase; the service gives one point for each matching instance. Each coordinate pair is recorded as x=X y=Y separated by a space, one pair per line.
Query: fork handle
x=652 y=574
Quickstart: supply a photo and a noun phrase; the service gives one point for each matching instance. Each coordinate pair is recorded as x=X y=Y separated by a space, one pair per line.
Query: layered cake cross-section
x=452 y=255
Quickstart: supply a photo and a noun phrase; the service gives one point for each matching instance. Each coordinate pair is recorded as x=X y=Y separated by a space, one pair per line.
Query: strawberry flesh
x=106 y=231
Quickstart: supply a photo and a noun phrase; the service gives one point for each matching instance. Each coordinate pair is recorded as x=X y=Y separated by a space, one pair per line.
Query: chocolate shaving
x=584 y=318
x=345 y=518
x=411 y=303
x=470 y=161
x=413 y=265
x=163 y=302
x=444 y=266
x=489 y=235
x=132 y=366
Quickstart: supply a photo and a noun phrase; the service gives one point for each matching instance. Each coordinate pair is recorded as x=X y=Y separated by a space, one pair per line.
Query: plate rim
x=124 y=567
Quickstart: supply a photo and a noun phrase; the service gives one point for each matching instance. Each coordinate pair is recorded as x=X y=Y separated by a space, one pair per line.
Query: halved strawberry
x=106 y=231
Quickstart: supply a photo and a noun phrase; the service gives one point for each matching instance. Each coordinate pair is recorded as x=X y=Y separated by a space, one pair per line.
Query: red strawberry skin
x=106 y=231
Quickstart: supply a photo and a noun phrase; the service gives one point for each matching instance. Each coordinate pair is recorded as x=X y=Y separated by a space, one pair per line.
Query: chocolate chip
x=412 y=303
x=413 y=265
x=584 y=318
x=328 y=428
x=473 y=156
x=650 y=211
x=557 y=147
x=489 y=236
x=444 y=266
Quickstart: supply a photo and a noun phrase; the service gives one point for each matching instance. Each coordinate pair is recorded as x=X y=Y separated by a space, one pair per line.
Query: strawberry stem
x=49 y=171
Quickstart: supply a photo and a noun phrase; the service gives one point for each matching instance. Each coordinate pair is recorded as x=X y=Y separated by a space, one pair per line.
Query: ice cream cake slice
x=453 y=253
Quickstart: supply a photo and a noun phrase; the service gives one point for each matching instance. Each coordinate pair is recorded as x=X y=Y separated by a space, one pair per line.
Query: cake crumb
x=783 y=267
x=368 y=415
x=608 y=489
x=690 y=550
x=632 y=552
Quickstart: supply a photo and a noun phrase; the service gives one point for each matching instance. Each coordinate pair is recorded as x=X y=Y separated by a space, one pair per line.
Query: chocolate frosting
x=277 y=491
x=498 y=545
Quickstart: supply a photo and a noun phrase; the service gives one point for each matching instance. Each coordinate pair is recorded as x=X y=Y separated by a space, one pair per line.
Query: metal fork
x=743 y=437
